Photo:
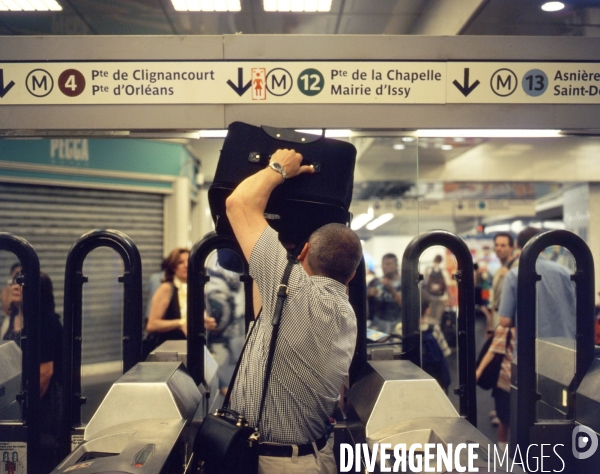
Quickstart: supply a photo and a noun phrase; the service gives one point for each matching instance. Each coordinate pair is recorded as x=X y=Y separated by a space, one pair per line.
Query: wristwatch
x=277 y=167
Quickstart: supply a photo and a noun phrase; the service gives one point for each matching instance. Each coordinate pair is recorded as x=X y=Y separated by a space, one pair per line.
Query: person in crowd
x=501 y=392
x=505 y=251
x=504 y=248
x=436 y=285
x=555 y=317
x=167 y=319
x=168 y=309
x=317 y=333
x=385 y=295
x=6 y=297
x=51 y=351
x=555 y=295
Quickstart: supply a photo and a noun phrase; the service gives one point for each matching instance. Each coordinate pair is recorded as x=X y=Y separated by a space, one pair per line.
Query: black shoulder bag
x=225 y=443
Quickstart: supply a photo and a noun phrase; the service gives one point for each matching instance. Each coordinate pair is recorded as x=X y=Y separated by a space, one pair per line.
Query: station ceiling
x=392 y=17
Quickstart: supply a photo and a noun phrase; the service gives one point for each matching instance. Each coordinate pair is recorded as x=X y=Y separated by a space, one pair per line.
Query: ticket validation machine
x=20 y=374
x=194 y=351
x=149 y=418
x=73 y=319
x=395 y=401
x=554 y=395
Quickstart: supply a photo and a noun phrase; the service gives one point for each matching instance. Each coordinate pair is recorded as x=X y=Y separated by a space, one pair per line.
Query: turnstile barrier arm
x=411 y=311
x=527 y=395
x=197 y=277
x=73 y=309
x=30 y=343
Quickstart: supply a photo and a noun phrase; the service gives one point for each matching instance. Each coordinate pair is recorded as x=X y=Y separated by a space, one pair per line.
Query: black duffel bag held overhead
x=300 y=205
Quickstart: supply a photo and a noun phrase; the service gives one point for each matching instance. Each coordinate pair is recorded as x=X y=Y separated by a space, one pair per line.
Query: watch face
x=277 y=167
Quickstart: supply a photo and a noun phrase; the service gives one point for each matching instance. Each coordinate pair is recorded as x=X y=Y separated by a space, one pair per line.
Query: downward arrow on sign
x=4 y=90
x=240 y=89
x=465 y=88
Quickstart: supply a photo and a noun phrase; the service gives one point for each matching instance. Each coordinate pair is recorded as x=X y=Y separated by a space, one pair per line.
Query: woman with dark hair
x=167 y=319
x=50 y=364
x=168 y=310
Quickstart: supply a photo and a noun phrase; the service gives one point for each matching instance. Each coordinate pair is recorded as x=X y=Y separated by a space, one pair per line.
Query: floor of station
x=96 y=387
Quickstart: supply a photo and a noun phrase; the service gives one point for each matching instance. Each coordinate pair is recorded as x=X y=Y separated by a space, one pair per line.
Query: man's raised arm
x=246 y=205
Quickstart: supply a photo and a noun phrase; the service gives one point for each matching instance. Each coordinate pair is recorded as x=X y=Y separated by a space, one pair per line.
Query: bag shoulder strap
x=281 y=296
x=282 y=293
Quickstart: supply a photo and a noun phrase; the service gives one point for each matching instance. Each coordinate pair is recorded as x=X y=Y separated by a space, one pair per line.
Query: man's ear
x=303 y=252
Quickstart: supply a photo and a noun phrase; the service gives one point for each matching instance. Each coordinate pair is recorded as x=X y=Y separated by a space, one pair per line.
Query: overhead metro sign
x=299 y=82
x=223 y=82
x=523 y=83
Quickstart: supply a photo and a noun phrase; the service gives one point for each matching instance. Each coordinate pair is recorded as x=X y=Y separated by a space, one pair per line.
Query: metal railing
x=28 y=429
x=197 y=278
x=527 y=396
x=411 y=311
x=73 y=316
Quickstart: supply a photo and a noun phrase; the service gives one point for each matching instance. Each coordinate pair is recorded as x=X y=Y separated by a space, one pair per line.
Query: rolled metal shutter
x=53 y=218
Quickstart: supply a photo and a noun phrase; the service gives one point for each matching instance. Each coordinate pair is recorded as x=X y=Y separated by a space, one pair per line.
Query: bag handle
x=263 y=159
x=292 y=135
x=281 y=296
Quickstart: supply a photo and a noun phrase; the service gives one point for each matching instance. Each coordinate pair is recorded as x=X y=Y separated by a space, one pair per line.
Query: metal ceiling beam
x=167 y=17
x=447 y=17
x=82 y=17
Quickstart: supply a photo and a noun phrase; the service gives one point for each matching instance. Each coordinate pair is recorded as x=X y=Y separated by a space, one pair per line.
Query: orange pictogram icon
x=259 y=91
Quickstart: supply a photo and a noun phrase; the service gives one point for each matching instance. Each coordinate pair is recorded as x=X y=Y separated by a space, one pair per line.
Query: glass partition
x=475 y=188
x=385 y=209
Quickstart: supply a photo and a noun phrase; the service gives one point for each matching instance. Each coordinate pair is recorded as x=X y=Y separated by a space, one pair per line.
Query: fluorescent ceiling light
x=360 y=220
x=517 y=226
x=206 y=5
x=553 y=6
x=164 y=135
x=29 y=5
x=382 y=219
x=399 y=146
x=553 y=225
x=488 y=133
x=490 y=229
x=297 y=5
x=408 y=139
x=213 y=133
x=446 y=147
